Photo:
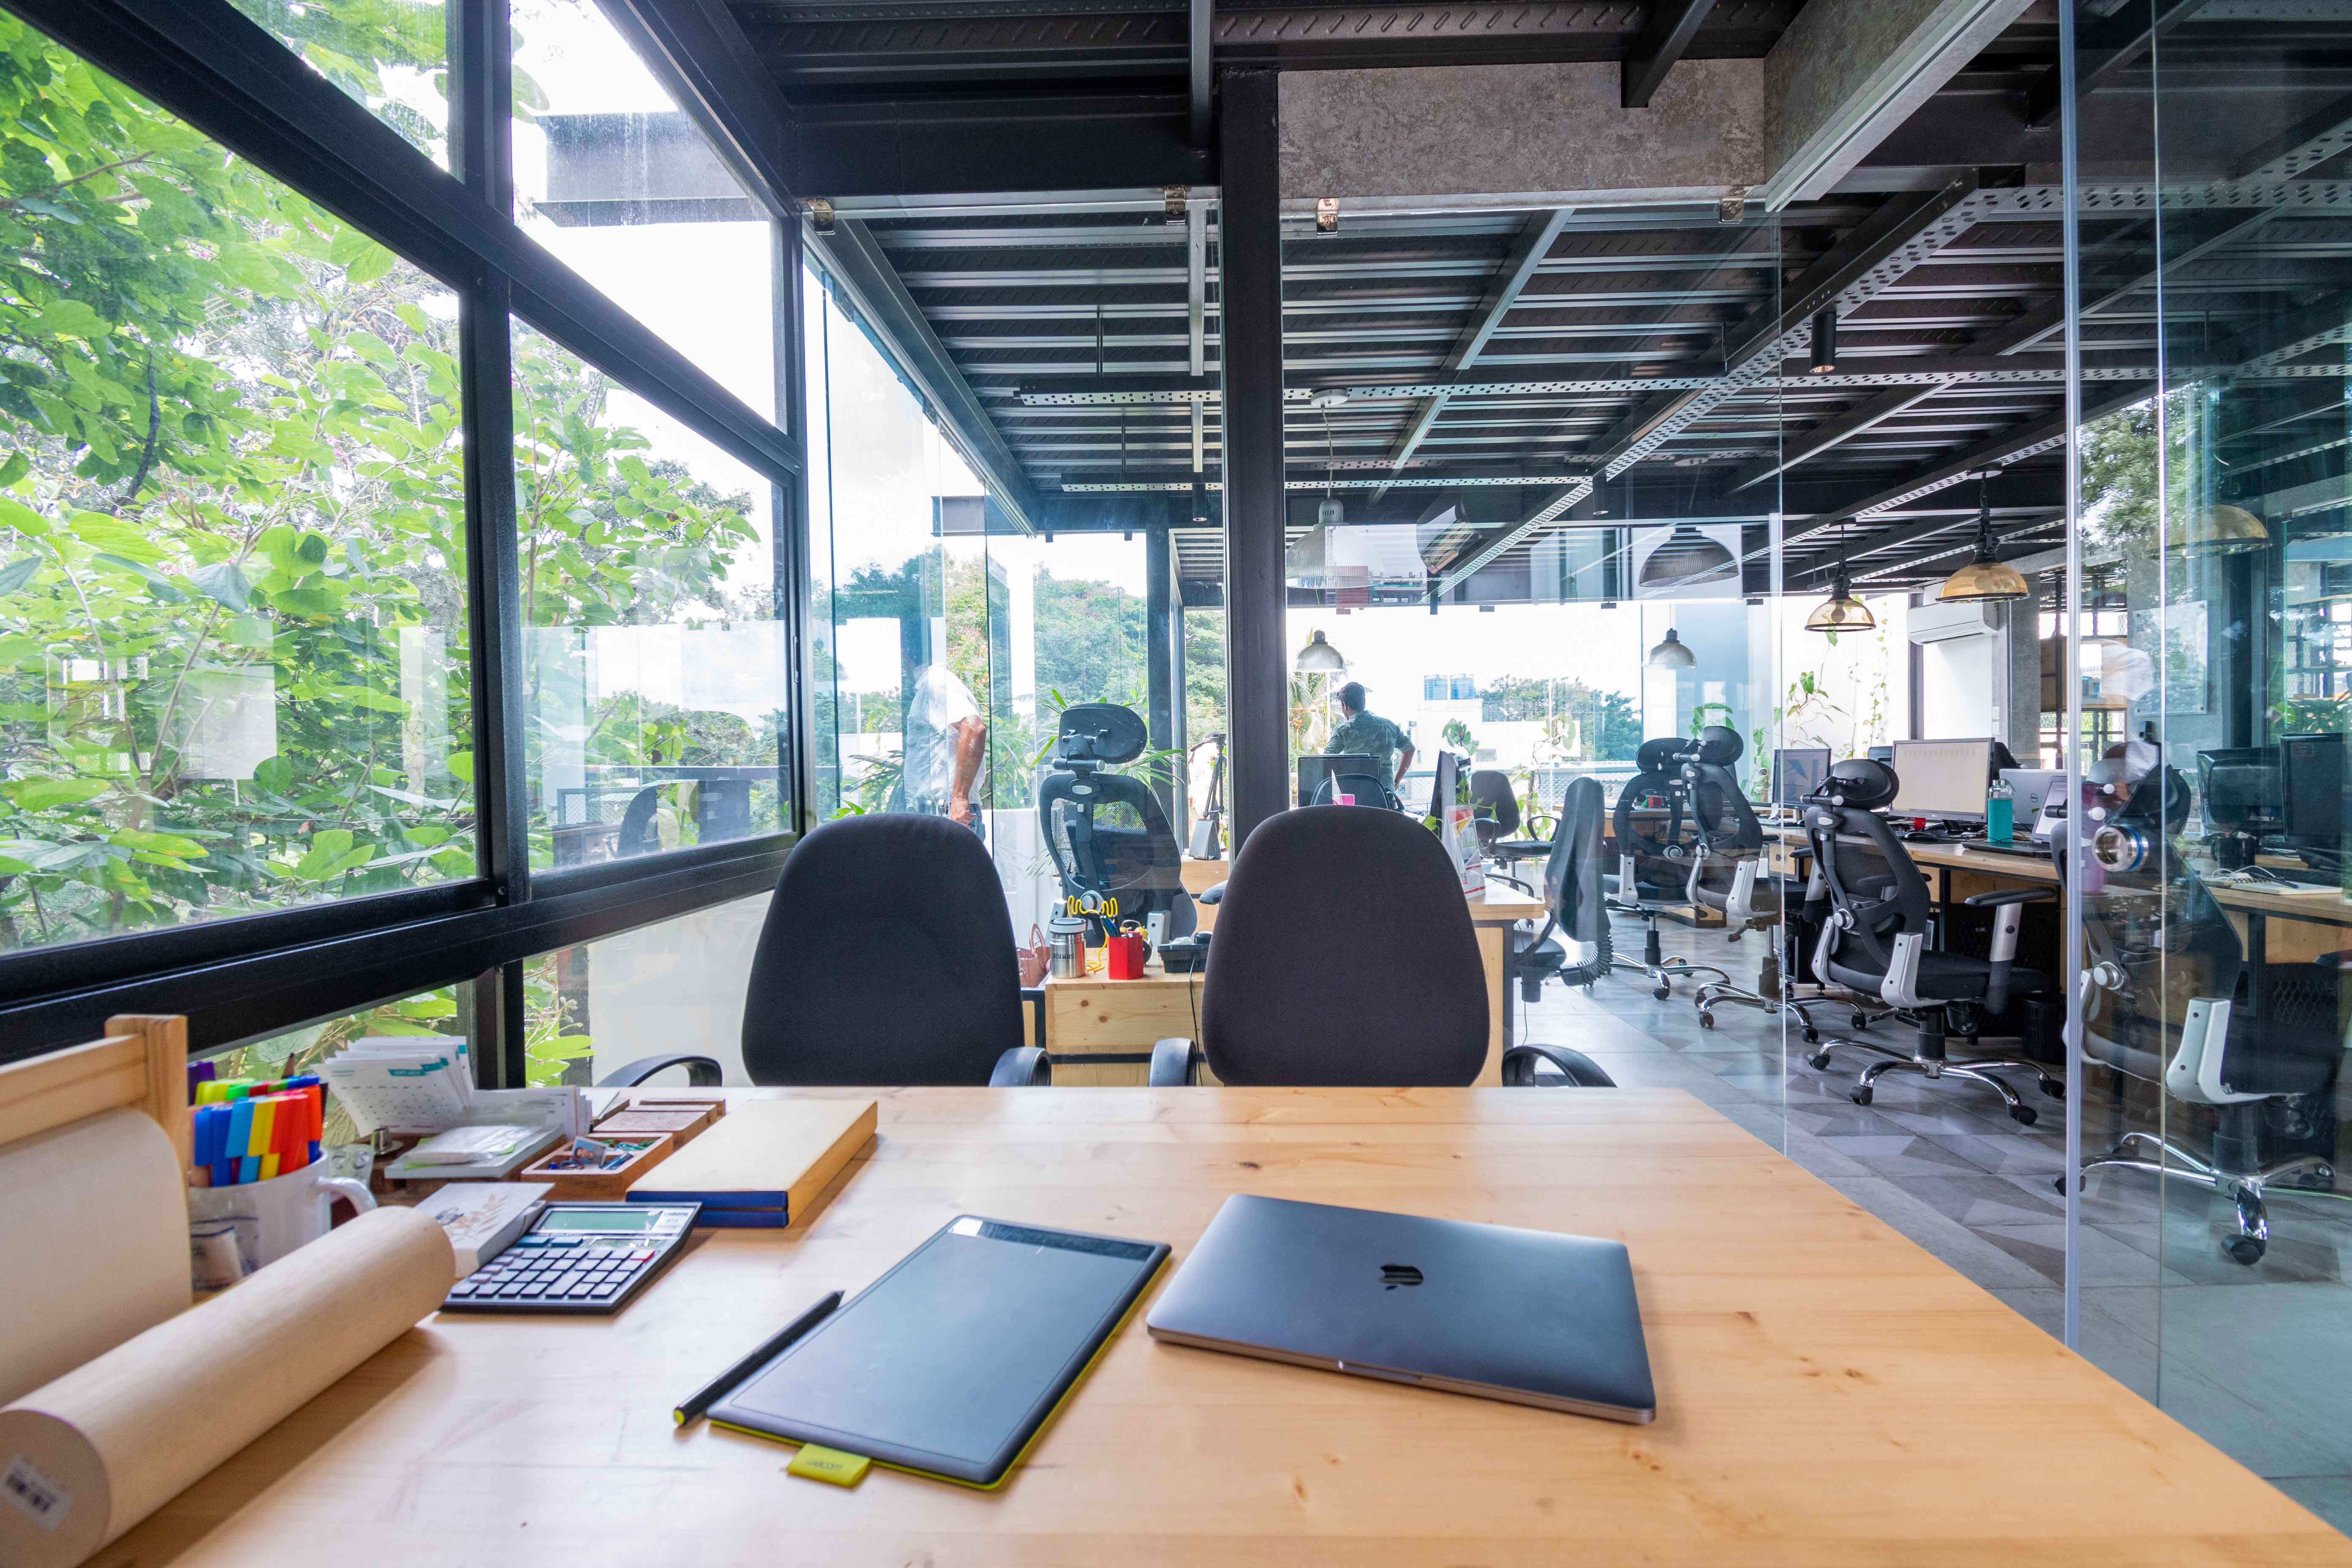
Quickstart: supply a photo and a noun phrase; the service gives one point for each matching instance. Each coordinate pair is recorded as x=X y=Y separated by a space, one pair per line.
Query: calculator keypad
x=542 y=1272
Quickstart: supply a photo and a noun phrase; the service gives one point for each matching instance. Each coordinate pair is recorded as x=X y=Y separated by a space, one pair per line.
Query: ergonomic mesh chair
x=1728 y=873
x=1876 y=941
x=2158 y=1001
x=1079 y=804
x=1653 y=872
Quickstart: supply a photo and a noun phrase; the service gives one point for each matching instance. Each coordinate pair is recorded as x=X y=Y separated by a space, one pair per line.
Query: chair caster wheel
x=2245 y=1249
x=2023 y=1115
x=1662 y=992
x=2058 y=1185
x=1819 y=1062
x=1862 y=1021
x=1813 y=1036
x=1706 y=1020
x=1859 y=1096
x=2054 y=1088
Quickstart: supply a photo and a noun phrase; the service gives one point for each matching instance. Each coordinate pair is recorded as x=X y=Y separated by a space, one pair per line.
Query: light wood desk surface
x=1828 y=1394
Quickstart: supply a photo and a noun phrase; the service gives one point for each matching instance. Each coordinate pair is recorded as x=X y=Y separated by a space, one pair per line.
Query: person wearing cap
x=1372 y=735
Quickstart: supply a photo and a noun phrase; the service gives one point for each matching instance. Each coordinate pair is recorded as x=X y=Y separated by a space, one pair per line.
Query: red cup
x=1124 y=955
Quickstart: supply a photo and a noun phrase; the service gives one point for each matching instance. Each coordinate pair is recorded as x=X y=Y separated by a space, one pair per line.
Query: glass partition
x=2212 y=634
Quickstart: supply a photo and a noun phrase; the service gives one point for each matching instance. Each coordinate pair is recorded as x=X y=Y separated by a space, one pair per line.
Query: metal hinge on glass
x=1326 y=215
x=820 y=214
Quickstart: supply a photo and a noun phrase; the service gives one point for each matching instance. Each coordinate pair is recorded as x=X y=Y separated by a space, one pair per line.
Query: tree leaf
x=23 y=518
x=224 y=582
x=41 y=793
x=18 y=572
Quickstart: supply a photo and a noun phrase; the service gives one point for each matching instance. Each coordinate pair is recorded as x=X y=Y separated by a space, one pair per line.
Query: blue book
x=740 y=1219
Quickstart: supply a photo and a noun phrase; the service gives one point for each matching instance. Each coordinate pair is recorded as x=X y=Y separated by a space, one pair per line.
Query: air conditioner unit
x=1942 y=623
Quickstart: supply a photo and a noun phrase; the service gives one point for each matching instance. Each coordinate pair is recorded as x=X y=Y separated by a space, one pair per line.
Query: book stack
x=764 y=1164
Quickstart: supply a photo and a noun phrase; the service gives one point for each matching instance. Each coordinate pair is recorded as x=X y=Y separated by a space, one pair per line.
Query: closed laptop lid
x=1528 y=1311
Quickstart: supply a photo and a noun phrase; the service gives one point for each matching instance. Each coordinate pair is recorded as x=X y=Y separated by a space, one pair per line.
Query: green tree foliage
x=1607 y=725
x=232 y=483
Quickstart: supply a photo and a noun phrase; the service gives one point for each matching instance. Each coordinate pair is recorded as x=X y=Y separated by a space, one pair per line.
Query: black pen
x=726 y=1381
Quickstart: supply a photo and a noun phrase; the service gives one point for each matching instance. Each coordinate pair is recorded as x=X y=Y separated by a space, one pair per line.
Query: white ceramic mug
x=275 y=1217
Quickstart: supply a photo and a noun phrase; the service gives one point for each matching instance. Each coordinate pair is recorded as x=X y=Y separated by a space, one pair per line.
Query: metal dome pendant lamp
x=1984 y=580
x=1841 y=612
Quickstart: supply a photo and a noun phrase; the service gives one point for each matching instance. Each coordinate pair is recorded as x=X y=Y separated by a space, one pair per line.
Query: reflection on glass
x=390 y=55
x=656 y=665
x=614 y=178
x=233 y=666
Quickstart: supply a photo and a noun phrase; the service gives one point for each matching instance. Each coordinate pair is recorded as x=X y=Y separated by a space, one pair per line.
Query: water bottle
x=2001 y=811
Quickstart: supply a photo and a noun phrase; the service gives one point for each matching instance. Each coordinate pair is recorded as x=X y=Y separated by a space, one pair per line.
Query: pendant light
x=1318 y=657
x=1687 y=556
x=1672 y=654
x=2216 y=531
x=1331 y=513
x=1841 y=612
x=1823 y=360
x=1984 y=581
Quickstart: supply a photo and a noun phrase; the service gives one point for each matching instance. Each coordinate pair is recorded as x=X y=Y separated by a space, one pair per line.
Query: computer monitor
x=1319 y=774
x=2310 y=783
x=1798 y=771
x=1942 y=778
x=1446 y=790
x=2239 y=786
x=1881 y=754
x=2033 y=787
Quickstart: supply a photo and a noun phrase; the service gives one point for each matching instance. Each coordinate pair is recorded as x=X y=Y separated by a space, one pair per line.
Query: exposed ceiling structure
x=1501 y=377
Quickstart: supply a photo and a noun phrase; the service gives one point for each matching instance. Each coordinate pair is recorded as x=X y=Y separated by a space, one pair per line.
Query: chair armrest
x=1580 y=1070
x=2008 y=896
x=1023 y=1067
x=702 y=1072
x=1215 y=893
x=1034 y=996
x=1173 y=1061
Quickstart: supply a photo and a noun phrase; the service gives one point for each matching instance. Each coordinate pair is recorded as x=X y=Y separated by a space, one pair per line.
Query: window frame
x=249 y=976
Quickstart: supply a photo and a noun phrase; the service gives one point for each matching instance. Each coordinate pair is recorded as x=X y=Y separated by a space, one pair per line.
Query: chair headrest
x=1858 y=782
x=1100 y=732
x=1660 y=755
x=1718 y=745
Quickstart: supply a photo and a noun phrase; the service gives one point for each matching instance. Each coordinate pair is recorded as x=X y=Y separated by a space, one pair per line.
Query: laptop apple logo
x=1392 y=1275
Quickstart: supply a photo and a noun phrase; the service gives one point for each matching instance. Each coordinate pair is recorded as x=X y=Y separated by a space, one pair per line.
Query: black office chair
x=1577 y=911
x=1729 y=874
x=1653 y=871
x=1876 y=942
x=886 y=959
x=1105 y=831
x=1311 y=980
x=2161 y=1001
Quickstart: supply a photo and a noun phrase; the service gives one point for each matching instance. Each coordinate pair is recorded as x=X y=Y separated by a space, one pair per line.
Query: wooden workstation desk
x=1828 y=1394
x=1101 y=1031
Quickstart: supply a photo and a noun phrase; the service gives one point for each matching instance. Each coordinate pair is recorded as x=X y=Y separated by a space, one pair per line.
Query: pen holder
x=274 y=1217
x=1127 y=952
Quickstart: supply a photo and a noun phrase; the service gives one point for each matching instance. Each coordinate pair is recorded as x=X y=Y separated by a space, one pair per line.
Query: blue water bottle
x=2001 y=811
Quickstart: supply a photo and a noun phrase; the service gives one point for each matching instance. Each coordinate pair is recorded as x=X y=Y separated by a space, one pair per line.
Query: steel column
x=1257 y=687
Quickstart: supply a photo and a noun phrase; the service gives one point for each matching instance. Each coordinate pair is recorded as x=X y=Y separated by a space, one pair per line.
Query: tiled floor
x=2258 y=1361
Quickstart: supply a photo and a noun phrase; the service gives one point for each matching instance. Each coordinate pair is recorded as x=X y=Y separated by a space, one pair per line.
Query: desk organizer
x=604 y=1186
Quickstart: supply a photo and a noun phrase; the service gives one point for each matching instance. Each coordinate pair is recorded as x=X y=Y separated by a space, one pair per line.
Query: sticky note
x=817 y=1464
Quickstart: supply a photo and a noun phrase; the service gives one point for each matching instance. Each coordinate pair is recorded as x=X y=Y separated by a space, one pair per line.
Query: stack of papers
x=473 y=1146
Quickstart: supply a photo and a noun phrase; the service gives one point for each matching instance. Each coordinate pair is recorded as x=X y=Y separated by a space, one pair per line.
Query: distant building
x=1448 y=688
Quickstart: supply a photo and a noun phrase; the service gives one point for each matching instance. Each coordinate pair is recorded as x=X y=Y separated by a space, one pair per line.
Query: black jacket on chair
x=1343 y=954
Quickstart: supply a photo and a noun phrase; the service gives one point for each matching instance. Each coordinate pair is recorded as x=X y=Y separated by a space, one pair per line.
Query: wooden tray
x=681 y=1123
x=609 y=1186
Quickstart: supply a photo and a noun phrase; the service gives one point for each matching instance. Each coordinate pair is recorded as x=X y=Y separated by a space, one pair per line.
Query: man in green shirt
x=1372 y=735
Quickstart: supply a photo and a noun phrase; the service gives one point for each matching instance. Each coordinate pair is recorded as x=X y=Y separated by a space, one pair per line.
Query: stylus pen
x=724 y=1384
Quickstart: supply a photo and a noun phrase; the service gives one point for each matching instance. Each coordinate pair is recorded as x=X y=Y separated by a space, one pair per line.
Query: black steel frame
x=244 y=978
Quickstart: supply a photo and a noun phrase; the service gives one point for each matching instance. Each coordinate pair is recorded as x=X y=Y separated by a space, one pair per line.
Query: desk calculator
x=577 y=1257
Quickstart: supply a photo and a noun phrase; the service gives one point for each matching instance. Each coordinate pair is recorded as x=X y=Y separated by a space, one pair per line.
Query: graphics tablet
x=951 y=1364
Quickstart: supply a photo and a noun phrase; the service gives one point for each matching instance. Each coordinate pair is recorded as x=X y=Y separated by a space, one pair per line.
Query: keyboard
x=2037 y=851
x=578 y=1258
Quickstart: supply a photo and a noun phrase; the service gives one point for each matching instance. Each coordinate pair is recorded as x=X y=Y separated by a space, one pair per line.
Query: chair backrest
x=1873 y=882
x=1343 y=954
x=1495 y=804
x=1572 y=876
x=886 y=958
x=1658 y=861
x=1136 y=862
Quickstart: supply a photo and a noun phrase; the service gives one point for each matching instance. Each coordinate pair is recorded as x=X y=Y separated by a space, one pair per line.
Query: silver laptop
x=1527 y=1316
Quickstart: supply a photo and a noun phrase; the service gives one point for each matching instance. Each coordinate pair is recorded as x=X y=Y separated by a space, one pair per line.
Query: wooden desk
x=1828 y=1394
x=1120 y=1019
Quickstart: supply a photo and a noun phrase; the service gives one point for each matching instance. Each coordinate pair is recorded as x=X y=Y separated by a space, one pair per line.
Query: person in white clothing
x=946 y=738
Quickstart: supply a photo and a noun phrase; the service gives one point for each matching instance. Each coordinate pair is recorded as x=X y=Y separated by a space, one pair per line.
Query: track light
x=1824 y=358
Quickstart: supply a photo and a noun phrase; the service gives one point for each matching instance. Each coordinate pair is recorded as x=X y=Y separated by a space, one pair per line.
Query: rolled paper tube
x=86 y=1457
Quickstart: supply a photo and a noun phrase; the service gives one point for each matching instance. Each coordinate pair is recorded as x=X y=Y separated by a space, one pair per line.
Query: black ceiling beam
x=926 y=147
x=1672 y=24
x=2104 y=50
x=1803 y=446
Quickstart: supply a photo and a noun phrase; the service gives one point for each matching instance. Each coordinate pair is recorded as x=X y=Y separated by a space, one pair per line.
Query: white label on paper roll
x=39 y=1496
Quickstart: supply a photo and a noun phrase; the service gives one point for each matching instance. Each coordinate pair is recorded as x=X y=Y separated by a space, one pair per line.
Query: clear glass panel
x=2214 y=646
x=656 y=663
x=591 y=1008
x=614 y=178
x=391 y=56
x=233 y=634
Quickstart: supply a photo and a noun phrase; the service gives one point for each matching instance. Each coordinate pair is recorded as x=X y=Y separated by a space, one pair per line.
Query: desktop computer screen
x=1881 y=754
x=2311 y=780
x=1942 y=778
x=1322 y=775
x=2239 y=786
x=1798 y=771
x=1446 y=790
